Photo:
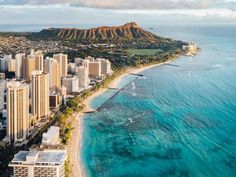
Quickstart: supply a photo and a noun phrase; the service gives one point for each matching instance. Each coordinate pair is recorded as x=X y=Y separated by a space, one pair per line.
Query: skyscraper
x=19 y=65
x=29 y=65
x=52 y=67
x=40 y=94
x=4 y=63
x=38 y=55
x=11 y=65
x=83 y=75
x=95 y=69
x=105 y=66
x=63 y=61
x=17 y=111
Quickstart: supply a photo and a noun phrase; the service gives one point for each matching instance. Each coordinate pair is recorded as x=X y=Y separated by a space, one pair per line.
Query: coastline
x=75 y=144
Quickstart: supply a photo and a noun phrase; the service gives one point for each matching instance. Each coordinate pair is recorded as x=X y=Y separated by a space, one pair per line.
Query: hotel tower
x=52 y=67
x=63 y=61
x=17 y=111
x=40 y=94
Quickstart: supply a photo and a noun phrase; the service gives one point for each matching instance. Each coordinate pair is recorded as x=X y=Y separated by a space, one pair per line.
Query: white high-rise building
x=17 y=111
x=2 y=93
x=4 y=63
x=18 y=65
x=40 y=94
x=71 y=84
x=82 y=73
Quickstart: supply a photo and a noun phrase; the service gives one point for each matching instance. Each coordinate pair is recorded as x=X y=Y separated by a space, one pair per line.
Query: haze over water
x=178 y=120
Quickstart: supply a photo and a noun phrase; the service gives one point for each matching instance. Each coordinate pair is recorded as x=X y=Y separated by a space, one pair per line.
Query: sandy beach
x=74 y=147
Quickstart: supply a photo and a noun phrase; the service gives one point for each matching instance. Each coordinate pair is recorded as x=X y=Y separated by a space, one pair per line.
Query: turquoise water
x=176 y=121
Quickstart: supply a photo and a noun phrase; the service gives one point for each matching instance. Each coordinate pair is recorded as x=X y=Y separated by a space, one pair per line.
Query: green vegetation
x=67 y=168
x=144 y=52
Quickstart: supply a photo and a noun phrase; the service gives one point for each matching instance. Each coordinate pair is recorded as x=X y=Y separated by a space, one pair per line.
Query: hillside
x=127 y=32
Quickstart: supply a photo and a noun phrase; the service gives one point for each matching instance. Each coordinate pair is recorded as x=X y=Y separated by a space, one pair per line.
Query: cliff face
x=127 y=32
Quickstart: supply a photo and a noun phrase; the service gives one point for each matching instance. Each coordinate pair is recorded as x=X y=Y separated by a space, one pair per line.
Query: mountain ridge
x=127 y=32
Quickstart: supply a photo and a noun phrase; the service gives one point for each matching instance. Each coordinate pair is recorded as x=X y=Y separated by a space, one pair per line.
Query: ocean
x=177 y=120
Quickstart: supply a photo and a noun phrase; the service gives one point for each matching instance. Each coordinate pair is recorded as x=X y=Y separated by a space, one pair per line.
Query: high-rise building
x=52 y=67
x=2 y=93
x=71 y=83
x=4 y=63
x=19 y=65
x=71 y=68
x=62 y=59
x=105 y=66
x=11 y=65
x=38 y=55
x=83 y=75
x=29 y=65
x=39 y=162
x=17 y=111
x=40 y=94
x=95 y=69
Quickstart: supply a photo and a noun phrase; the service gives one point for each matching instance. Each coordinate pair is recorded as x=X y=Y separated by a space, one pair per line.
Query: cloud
x=130 y=4
x=215 y=12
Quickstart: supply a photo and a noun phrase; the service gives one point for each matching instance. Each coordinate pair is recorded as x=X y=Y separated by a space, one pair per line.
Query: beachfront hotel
x=95 y=69
x=71 y=83
x=40 y=94
x=62 y=59
x=83 y=75
x=39 y=162
x=105 y=66
x=17 y=111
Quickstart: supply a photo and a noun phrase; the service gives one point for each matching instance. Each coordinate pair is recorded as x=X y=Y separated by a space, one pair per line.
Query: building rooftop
x=35 y=156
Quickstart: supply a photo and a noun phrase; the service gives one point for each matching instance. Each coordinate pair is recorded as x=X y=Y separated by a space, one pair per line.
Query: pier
x=91 y=110
x=112 y=88
x=135 y=74
x=168 y=64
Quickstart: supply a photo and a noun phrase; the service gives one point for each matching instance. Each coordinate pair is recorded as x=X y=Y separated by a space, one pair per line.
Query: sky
x=116 y=12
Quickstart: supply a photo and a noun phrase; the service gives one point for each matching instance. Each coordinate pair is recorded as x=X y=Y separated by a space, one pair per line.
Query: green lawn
x=144 y=52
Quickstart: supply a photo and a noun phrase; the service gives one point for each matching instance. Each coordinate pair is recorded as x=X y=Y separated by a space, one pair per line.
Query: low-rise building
x=51 y=137
x=55 y=99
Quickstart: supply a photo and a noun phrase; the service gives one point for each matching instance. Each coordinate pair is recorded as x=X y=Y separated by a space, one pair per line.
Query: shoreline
x=75 y=144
